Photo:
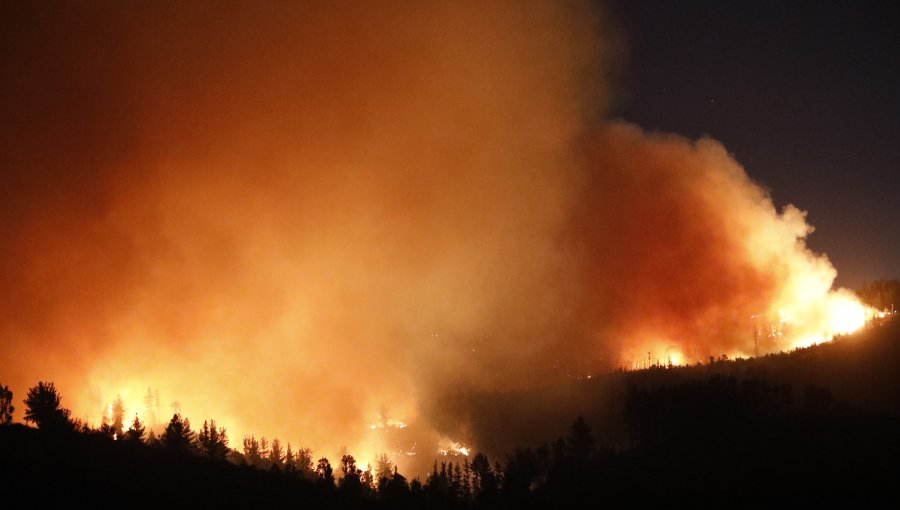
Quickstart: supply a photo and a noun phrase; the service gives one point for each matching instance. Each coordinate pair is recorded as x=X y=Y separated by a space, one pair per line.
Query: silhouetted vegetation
x=213 y=441
x=178 y=437
x=43 y=408
x=881 y=294
x=733 y=433
x=135 y=432
x=6 y=406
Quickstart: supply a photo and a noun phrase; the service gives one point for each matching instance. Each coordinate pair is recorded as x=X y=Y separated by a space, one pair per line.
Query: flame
x=280 y=265
x=449 y=447
x=812 y=322
x=846 y=315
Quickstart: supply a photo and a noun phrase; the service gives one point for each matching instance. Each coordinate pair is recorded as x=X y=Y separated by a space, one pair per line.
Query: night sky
x=804 y=94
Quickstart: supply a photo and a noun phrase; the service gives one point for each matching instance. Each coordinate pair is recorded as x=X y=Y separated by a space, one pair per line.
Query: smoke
x=298 y=218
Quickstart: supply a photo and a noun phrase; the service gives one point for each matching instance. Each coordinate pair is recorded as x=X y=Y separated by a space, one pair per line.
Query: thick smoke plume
x=298 y=218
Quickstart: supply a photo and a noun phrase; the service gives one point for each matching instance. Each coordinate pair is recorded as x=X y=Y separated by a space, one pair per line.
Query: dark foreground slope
x=814 y=426
x=50 y=470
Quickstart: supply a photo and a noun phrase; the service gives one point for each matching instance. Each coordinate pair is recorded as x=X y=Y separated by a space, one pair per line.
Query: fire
x=846 y=315
x=675 y=358
x=836 y=313
x=453 y=448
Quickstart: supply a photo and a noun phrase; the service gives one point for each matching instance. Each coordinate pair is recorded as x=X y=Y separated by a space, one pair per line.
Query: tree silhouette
x=118 y=417
x=135 y=432
x=522 y=469
x=251 y=451
x=213 y=441
x=580 y=441
x=366 y=479
x=304 y=463
x=263 y=448
x=384 y=468
x=44 y=410
x=350 y=483
x=395 y=489
x=276 y=453
x=484 y=482
x=325 y=473
x=178 y=436
x=6 y=407
x=289 y=459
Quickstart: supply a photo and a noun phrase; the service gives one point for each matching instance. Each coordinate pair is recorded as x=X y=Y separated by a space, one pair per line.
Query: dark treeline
x=734 y=433
x=883 y=295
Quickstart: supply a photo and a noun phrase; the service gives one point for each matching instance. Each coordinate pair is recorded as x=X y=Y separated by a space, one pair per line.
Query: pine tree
x=289 y=459
x=135 y=432
x=263 y=448
x=276 y=454
x=213 y=441
x=466 y=488
x=304 y=463
x=178 y=436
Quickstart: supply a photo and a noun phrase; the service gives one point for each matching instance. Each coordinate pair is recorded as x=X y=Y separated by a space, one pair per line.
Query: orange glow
x=846 y=315
x=447 y=447
x=303 y=222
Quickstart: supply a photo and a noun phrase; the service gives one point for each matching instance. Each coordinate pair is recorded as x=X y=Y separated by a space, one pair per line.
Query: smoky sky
x=293 y=217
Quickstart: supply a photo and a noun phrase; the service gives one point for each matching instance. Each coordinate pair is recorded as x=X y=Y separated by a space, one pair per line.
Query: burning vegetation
x=294 y=218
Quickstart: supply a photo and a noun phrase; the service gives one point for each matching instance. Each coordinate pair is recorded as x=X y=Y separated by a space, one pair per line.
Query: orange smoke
x=684 y=253
x=295 y=219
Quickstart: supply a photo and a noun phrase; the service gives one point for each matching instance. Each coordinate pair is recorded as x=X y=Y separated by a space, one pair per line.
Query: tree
x=484 y=481
x=135 y=432
x=150 y=407
x=178 y=436
x=289 y=459
x=366 y=479
x=580 y=441
x=118 y=416
x=251 y=450
x=44 y=410
x=213 y=441
x=395 y=488
x=276 y=453
x=325 y=473
x=522 y=470
x=348 y=467
x=105 y=428
x=263 y=448
x=350 y=483
x=384 y=468
x=304 y=463
x=6 y=407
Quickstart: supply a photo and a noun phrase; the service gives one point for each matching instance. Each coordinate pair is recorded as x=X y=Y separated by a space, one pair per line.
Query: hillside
x=811 y=425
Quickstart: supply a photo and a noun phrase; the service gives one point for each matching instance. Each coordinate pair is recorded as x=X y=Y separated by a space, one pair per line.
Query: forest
x=815 y=424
